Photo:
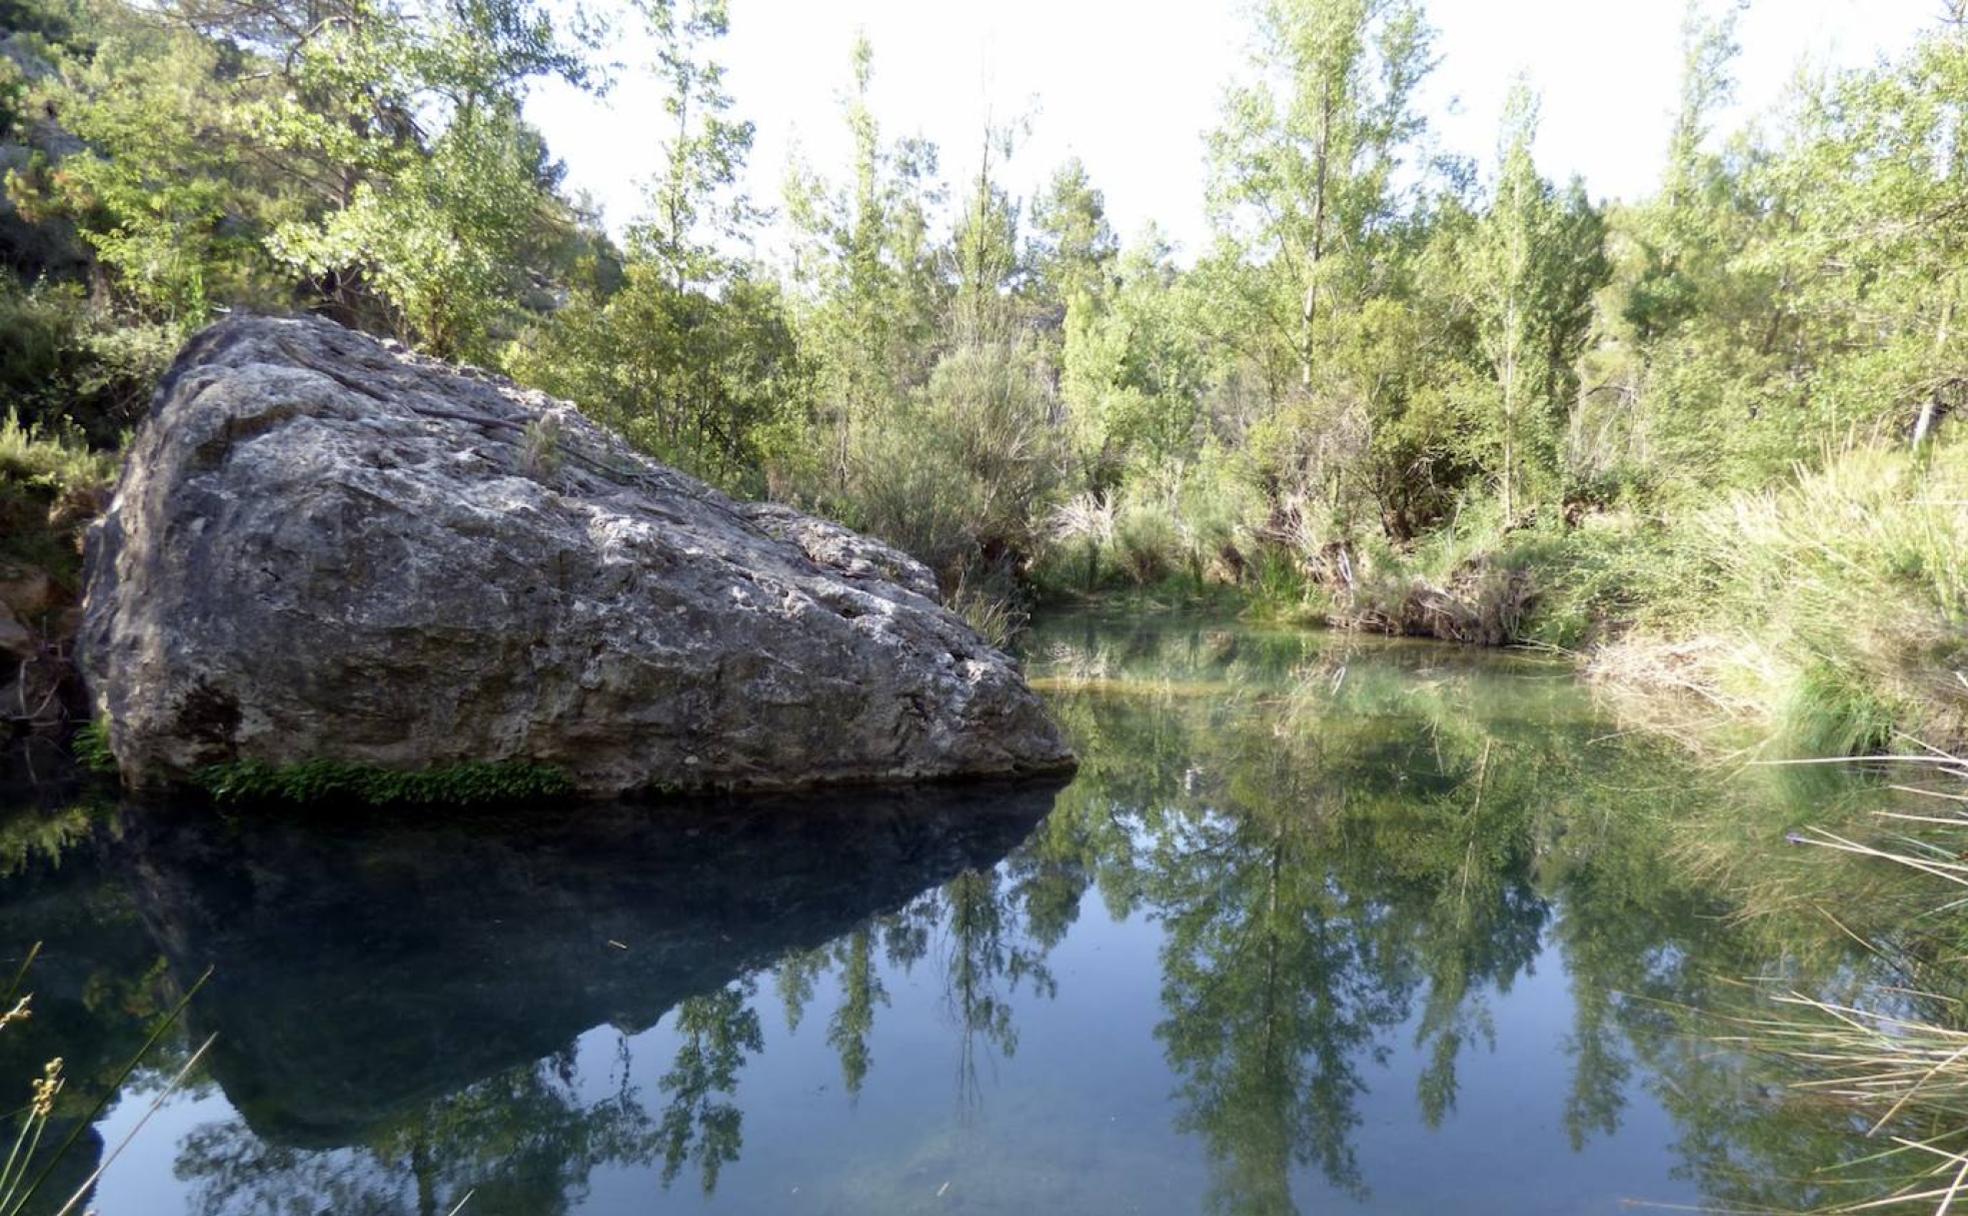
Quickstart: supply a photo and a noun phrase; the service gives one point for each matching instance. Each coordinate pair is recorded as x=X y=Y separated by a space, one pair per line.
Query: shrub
x=50 y=484
x=68 y=364
x=962 y=476
x=1147 y=543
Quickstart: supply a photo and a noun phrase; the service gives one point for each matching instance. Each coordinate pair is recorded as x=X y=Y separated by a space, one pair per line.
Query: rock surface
x=325 y=548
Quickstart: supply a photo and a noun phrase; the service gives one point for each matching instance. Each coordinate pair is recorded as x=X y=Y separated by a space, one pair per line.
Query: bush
x=67 y=364
x=1836 y=606
x=963 y=475
x=1147 y=543
x=51 y=485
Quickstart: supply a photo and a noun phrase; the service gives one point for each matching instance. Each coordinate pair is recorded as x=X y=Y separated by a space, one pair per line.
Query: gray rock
x=16 y=640
x=325 y=548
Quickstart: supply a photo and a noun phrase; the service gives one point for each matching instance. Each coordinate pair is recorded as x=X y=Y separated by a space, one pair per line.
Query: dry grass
x=1899 y=1073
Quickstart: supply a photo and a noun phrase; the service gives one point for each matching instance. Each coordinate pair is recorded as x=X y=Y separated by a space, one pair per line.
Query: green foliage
x=66 y=363
x=1845 y=596
x=91 y=748
x=326 y=780
x=1391 y=390
x=866 y=265
x=706 y=382
x=960 y=475
x=367 y=159
x=694 y=204
x=1532 y=266
x=692 y=356
x=49 y=487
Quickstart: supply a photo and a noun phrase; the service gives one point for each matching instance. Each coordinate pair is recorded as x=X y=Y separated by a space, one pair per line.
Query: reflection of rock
x=362 y=970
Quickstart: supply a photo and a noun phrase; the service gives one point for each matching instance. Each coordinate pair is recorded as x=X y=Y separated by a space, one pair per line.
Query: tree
x=864 y=261
x=1071 y=247
x=1532 y=267
x=366 y=158
x=1304 y=172
x=713 y=384
x=1134 y=373
x=695 y=209
x=692 y=356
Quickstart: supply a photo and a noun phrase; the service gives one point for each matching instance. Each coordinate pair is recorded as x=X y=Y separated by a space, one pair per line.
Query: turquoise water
x=1322 y=924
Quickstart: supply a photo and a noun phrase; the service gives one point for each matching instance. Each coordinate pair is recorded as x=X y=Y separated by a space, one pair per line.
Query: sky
x=1130 y=88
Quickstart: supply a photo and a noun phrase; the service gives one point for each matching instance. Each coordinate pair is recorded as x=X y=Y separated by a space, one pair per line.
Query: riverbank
x=1831 y=609
x=1830 y=612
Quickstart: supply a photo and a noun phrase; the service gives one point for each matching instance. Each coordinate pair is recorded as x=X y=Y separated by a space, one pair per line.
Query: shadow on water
x=1321 y=922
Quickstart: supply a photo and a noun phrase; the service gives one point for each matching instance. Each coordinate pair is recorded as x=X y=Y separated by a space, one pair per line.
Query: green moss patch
x=324 y=780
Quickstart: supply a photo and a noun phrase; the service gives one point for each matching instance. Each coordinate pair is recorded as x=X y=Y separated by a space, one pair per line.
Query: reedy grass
x=1833 y=609
x=1900 y=1068
x=20 y=1180
x=993 y=614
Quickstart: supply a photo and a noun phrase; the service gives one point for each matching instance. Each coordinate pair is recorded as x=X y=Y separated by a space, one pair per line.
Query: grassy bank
x=1835 y=605
x=1831 y=608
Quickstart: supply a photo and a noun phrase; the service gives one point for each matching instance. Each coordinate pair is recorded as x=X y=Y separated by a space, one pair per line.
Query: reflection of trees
x=988 y=931
x=99 y=986
x=1381 y=843
x=702 y=1122
x=1273 y=992
x=1314 y=869
x=987 y=959
x=854 y=1020
x=377 y=980
x=523 y=1141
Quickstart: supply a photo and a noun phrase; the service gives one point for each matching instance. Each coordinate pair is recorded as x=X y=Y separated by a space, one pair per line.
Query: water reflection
x=1335 y=868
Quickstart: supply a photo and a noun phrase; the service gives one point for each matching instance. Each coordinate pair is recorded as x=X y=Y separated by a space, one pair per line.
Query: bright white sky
x=1131 y=87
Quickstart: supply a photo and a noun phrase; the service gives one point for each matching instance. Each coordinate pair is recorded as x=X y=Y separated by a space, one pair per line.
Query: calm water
x=1322 y=925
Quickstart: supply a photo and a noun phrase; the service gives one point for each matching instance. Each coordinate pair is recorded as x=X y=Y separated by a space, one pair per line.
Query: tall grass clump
x=1180 y=528
x=962 y=473
x=1836 y=605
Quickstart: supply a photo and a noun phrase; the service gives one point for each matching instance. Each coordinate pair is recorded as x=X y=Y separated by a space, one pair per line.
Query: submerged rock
x=324 y=548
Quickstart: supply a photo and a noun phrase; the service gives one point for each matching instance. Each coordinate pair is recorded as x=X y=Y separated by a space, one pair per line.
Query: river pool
x=1323 y=924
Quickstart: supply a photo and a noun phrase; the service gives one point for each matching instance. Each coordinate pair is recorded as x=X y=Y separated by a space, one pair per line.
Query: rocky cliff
x=325 y=548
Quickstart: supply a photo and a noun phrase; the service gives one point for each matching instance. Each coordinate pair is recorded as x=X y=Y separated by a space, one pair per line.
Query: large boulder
x=325 y=548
